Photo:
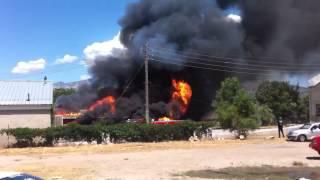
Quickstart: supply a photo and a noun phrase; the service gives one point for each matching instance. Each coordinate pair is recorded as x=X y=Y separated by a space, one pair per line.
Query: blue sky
x=36 y=31
x=50 y=29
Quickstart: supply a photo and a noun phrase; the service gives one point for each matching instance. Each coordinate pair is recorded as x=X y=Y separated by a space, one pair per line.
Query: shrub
x=25 y=137
x=118 y=133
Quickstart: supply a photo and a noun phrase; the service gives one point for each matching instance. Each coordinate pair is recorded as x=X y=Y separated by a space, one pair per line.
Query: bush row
x=27 y=137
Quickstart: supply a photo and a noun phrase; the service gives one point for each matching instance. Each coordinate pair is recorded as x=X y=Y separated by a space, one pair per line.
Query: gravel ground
x=153 y=161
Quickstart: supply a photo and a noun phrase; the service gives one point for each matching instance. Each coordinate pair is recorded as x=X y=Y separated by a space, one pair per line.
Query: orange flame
x=64 y=113
x=164 y=119
x=109 y=100
x=182 y=94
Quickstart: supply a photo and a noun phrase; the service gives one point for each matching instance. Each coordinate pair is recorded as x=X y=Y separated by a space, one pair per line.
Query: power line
x=228 y=67
x=237 y=63
x=131 y=81
x=206 y=68
x=246 y=59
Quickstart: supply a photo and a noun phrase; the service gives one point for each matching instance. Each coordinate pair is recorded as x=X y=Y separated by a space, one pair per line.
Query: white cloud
x=85 y=77
x=315 y=80
x=25 y=67
x=235 y=18
x=66 y=59
x=104 y=48
x=83 y=63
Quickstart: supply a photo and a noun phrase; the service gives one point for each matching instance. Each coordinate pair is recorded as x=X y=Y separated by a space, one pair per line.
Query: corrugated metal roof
x=16 y=92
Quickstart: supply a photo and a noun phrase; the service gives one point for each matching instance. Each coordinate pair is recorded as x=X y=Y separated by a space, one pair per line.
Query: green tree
x=303 y=109
x=282 y=98
x=236 y=109
x=62 y=91
x=264 y=114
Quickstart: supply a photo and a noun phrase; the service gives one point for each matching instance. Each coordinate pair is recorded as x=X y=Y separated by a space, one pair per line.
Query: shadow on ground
x=254 y=173
x=313 y=158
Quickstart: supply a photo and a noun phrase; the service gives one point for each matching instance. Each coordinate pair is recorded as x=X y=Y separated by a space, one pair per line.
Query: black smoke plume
x=282 y=31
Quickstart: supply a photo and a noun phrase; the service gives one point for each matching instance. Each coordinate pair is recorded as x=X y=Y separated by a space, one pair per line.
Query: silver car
x=305 y=133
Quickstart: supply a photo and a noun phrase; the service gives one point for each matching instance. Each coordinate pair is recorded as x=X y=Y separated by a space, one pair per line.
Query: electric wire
x=217 y=61
x=130 y=81
x=246 y=59
x=228 y=67
x=206 y=68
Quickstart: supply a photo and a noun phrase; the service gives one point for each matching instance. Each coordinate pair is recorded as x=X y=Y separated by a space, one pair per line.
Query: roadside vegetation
x=284 y=100
x=100 y=133
x=237 y=110
x=240 y=112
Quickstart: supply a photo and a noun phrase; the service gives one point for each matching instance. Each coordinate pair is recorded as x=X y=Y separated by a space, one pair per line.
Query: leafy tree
x=62 y=91
x=283 y=99
x=303 y=109
x=236 y=109
x=264 y=114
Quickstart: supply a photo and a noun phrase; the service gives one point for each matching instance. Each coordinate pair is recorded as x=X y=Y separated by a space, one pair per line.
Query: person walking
x=280 y=127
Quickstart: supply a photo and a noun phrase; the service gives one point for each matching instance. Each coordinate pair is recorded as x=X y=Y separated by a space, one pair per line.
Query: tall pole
x=310 y=105
x=146 y=64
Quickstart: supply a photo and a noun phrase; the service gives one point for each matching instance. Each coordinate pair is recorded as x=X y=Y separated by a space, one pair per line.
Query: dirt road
x=153 y=161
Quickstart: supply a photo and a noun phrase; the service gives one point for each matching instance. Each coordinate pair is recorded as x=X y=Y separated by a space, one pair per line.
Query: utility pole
x=310 y=105
x=146 y=66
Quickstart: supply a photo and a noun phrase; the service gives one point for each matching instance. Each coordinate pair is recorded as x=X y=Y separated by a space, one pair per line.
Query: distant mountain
x=74 y=85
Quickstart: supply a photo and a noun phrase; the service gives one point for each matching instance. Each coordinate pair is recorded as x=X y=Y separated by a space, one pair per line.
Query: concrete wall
x=314 y=100
x=31 y=119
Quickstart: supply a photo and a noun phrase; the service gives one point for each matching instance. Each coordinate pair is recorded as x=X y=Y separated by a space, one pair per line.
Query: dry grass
x=255 y=173
x=298 y=163
x=57 y=162
x=57 y=172
x=132 y=147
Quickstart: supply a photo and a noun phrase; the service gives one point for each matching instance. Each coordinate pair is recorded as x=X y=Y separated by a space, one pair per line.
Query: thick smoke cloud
x=284 y=31
x=287 y=29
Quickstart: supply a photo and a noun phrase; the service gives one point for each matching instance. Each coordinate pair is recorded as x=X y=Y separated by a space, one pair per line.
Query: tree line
x=241 y=112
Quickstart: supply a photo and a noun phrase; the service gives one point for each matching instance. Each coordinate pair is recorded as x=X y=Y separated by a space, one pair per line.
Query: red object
x=315 y=144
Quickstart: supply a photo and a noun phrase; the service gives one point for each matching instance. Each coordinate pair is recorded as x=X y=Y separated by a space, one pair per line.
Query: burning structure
x=193 y=45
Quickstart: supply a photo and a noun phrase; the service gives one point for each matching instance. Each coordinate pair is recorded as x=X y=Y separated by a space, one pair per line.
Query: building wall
x=314 y=100
x=31 y=119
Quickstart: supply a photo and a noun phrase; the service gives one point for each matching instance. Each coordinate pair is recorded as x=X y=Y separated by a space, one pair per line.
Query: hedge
x=128 y=132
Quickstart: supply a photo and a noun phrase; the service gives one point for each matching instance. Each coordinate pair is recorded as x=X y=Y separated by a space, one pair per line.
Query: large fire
x=181 y=94
x=108 y=100
x=68 y=114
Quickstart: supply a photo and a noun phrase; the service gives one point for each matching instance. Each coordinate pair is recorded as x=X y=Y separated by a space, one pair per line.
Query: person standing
x=280 y=127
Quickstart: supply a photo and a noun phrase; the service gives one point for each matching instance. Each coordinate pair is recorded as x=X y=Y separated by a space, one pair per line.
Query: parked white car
x=305 y=133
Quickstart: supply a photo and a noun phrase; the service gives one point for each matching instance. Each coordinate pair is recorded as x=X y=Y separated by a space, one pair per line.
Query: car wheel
x=302 y=138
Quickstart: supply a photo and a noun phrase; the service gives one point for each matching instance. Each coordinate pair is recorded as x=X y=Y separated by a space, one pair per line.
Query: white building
x=314 y=104
x=26 y=104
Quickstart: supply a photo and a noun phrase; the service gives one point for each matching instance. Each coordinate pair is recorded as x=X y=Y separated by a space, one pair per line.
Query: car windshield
x=306 y=126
